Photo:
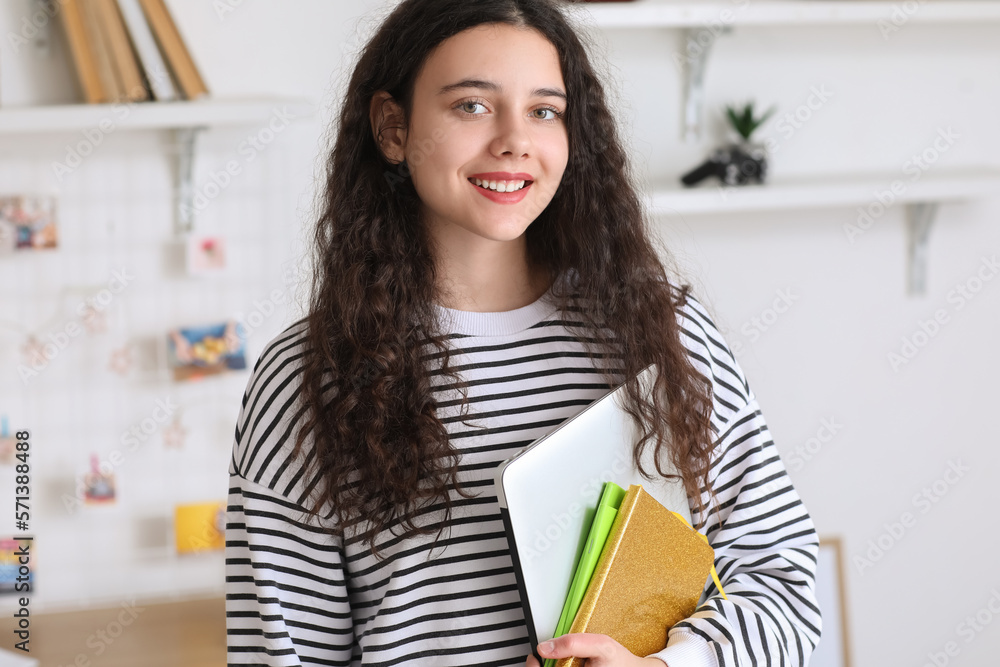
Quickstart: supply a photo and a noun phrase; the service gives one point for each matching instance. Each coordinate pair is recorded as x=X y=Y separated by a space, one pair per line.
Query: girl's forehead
x=492 y=53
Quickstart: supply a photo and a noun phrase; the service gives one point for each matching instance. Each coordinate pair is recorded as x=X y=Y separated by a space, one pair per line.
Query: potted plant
x=741 y=161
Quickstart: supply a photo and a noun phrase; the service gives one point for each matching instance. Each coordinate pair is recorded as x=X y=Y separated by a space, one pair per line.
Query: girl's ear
x=388 y=126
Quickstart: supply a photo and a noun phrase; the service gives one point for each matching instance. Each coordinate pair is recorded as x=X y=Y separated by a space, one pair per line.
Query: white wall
x=826 y=358
x=823 y=359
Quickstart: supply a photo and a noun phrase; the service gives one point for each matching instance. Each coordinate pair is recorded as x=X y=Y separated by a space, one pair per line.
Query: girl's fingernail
x=547 y=647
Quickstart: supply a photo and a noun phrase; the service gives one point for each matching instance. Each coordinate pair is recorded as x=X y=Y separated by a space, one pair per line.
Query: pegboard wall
x=117 y=278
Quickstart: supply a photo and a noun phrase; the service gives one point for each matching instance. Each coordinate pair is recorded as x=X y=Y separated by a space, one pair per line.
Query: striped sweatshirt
x=296 y=595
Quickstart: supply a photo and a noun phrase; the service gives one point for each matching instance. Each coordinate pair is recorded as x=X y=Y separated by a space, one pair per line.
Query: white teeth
x=500 y=186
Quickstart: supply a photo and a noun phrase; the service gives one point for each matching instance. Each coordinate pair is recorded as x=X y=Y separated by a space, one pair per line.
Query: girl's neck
x=491 y=282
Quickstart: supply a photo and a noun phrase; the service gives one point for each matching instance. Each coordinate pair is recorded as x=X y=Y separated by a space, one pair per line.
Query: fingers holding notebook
x=599 y=650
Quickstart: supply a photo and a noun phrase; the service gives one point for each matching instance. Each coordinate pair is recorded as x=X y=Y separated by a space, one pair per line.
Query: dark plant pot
x=734 y=164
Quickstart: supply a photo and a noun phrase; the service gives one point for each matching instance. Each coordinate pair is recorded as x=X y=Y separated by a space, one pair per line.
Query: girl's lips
x=503 y=197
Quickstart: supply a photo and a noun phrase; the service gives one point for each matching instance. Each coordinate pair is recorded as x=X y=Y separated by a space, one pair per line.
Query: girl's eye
x=467 y=104
x=556 y=114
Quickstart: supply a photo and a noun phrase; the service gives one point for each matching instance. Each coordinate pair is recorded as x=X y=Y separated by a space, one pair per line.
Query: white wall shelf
x=184 y=120
x=702 y=22
x=644 y=14
x=921 y=198
x=149 y=115
x=824 y=192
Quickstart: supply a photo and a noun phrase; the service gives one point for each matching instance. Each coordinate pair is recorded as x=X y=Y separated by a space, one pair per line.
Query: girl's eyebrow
x=497 y=88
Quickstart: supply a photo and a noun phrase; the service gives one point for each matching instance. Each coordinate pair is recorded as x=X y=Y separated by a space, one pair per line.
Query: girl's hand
x=600 y=651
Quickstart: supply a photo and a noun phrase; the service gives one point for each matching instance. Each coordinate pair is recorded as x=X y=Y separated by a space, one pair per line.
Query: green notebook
x=607 y=510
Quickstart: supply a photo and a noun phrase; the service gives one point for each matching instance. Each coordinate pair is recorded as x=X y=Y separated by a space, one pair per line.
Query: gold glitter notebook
x=651 y=574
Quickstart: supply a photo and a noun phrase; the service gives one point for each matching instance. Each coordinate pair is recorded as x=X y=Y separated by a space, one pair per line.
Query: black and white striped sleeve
x=286 y=596
x=764 y=539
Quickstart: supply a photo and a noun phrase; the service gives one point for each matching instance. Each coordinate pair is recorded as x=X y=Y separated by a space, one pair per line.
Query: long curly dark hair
x=383 y=456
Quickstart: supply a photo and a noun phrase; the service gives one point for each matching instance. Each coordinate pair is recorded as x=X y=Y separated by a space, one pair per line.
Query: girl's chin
x=493 y=226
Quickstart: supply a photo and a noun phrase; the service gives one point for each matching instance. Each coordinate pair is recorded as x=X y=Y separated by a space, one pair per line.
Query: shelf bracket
x=919 y=218
x=696 y=48
x=183 y=141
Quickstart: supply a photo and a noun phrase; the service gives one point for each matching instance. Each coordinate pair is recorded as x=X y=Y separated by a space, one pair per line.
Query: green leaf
x=744 y=121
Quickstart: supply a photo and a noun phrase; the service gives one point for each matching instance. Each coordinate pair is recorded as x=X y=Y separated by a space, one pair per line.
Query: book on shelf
x=174 y=50
x=82 y=52
x=106 y=70
x=155 y=69
x=133 y=89
x=129 y=51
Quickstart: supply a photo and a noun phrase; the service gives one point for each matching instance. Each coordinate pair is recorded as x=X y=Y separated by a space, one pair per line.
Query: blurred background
x=153 y=240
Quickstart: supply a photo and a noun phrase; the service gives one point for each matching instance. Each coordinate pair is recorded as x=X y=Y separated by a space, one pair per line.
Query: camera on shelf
x=739 y=162
x=732 y=165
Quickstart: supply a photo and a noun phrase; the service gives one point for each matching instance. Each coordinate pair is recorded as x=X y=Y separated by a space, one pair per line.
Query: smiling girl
x=482 y=274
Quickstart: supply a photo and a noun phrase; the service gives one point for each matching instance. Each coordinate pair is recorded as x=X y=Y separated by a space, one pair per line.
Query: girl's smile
x=502 y=187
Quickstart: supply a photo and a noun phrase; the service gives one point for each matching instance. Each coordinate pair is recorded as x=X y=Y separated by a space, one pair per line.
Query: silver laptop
x=549 y=491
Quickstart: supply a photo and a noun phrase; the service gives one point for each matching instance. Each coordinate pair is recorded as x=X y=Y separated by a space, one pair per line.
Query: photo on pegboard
x=98 y=484
x=28 y=223
x=121 y=360
x=12 y=580
x=196 y=352
x=200 y=527
x=174 y=434
x=8 y=443
x=206 y=254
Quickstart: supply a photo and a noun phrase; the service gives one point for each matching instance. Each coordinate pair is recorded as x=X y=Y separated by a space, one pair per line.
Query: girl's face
x=488 y=100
